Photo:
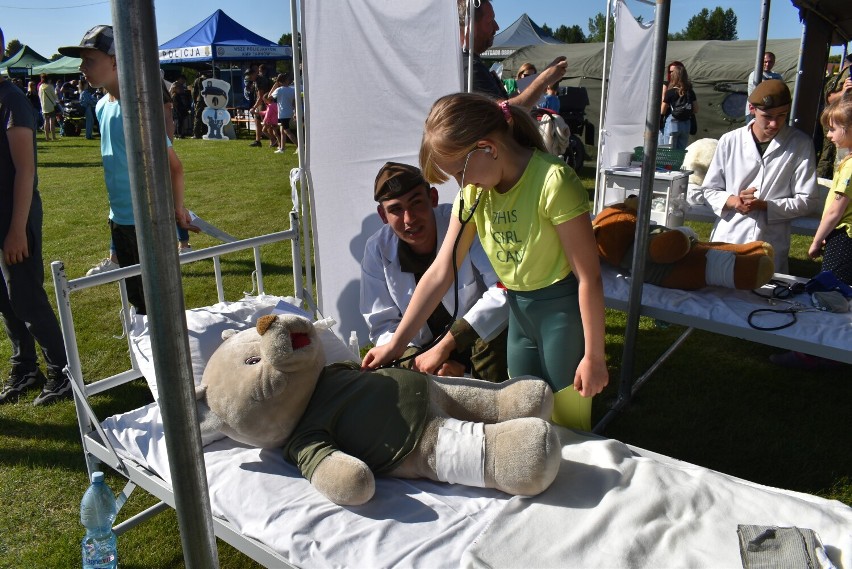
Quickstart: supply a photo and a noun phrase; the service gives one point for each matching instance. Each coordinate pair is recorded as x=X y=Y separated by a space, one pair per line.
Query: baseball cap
x=769 y=94
x=99 y=38
x=395 y=179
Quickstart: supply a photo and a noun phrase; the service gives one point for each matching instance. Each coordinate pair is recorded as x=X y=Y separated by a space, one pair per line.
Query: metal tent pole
x=761 y=41
x=153 y=210
x=598 y=195
x=468 y=43
x=646 y=185
x=301 y=131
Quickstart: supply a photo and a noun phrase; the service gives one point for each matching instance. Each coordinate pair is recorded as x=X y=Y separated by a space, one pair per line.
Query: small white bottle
x=355 y=345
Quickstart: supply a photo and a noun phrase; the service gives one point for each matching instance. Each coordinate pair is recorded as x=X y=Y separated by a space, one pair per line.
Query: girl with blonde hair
x=833 y=238
x=531 y=214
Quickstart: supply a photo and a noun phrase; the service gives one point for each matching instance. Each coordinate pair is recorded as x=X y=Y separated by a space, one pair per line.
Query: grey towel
x=770 y=547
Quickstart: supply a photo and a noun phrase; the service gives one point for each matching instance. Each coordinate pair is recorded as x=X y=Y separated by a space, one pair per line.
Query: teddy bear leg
x=668 y=247
x=477 y=400
x=572 y=410
x=522 y=456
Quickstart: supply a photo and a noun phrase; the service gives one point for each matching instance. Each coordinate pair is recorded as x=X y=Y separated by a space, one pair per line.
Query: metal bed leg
x=636 y=385
x=142 y=516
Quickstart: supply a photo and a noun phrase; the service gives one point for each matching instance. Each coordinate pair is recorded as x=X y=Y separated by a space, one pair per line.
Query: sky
x=45 y=25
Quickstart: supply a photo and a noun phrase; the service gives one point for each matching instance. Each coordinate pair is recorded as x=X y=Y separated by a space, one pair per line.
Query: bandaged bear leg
x=520 y=456
x=740 y=266
x=478 y=400
x=572 y=410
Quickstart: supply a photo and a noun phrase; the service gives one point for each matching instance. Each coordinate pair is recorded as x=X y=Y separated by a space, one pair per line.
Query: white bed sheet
x=409 y=523
x=613 y=506
x=726 y=311
x=610 y=506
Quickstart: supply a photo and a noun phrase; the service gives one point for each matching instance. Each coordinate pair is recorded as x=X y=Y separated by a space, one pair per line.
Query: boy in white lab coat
x=762 y=176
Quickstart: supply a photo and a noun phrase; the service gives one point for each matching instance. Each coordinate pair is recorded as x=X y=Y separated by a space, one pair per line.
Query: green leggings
x=546 y=340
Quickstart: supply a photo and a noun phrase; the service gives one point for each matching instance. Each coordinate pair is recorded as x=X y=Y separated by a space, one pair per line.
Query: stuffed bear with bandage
x=675 y=257
x=268 y=387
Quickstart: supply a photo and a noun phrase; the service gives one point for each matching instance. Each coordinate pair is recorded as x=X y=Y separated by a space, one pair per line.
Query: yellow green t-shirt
x=842 y=184
x=517 y=228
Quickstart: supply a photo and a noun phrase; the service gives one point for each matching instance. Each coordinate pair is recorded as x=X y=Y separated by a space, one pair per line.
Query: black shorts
x=284 y=122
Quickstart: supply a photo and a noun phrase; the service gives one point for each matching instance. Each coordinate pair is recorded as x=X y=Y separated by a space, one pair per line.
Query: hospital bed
x=611 y=504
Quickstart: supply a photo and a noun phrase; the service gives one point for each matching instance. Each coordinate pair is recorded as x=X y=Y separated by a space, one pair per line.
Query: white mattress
x=611 y=505
x=409 y=523
x=726 y=311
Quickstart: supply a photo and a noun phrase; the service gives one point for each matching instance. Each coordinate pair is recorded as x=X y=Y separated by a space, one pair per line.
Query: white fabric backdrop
x=375 y=67
x=629 y=82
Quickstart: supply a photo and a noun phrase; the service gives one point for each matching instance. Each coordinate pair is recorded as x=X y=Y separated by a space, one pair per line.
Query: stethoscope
x=464 y=221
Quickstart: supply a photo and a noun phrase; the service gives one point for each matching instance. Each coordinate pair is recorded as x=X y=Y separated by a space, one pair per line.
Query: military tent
x=718 y=69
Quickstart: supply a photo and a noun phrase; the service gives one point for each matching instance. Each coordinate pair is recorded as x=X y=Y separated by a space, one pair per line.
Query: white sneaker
x=102 y=267
x=279 y=151
x=186 y=249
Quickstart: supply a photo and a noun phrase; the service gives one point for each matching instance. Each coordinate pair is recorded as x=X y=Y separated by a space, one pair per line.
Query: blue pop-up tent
x=220 y=38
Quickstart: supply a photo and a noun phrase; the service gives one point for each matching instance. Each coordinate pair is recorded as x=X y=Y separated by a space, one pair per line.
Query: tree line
x=717 y=24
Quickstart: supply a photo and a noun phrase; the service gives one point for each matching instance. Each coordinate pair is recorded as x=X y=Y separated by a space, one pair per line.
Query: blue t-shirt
x=114 y=154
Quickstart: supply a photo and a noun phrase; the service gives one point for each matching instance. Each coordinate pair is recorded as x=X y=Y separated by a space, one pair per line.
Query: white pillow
x=205 y=327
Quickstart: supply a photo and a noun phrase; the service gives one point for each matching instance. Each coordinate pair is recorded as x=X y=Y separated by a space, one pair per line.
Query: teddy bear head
x=698 y=156
x=257 y=384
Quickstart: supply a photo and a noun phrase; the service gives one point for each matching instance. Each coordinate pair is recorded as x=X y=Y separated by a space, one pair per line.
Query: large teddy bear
x=675 y=257
x=268 y=387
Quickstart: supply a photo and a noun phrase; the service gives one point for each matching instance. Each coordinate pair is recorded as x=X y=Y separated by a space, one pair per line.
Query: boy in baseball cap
x=100 y=38
x=99 y=67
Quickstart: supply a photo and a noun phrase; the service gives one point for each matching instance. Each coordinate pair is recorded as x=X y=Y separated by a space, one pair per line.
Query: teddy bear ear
x=228 y=333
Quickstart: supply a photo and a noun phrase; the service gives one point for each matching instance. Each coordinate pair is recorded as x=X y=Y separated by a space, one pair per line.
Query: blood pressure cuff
x=831 y=301
x=769 y=547
x=827 y=281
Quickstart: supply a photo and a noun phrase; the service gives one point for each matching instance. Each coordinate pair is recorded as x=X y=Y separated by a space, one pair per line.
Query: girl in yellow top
x=532 y=217
x=833 y=238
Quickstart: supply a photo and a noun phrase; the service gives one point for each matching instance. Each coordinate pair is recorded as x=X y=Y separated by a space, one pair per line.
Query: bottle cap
x=97 y=477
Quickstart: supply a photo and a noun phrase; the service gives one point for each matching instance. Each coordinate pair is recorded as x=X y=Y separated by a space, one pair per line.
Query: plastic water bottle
x=97 y=512
x=355 y=345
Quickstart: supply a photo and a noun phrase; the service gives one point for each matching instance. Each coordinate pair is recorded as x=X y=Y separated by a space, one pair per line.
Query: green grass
x=716 y=402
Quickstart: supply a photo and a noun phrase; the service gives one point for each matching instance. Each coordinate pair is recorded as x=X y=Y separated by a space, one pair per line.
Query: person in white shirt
x=285 y=96
x=762 y=176
x=768 y=64
x=398 y=254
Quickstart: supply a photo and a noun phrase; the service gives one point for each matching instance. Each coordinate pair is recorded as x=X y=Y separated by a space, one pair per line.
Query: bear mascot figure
x=268 y=387
x=675 y=257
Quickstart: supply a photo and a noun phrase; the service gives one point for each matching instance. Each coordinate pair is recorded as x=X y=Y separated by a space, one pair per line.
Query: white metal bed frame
x=630 y=385
x=96 y=446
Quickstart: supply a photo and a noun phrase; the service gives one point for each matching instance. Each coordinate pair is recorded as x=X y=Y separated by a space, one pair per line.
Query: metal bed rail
x=96 y=447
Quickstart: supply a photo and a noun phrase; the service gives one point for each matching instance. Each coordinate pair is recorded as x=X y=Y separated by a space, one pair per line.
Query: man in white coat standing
x=397 y=255
x=761 y=176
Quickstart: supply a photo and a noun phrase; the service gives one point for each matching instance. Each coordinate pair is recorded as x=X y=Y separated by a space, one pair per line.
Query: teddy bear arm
x=344 y=479
x=483 y=401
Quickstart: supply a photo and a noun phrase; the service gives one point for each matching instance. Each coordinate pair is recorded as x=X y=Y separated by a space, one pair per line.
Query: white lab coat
x=386 y=290
x=784 y=176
